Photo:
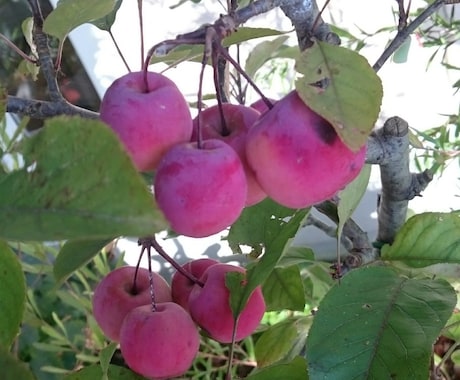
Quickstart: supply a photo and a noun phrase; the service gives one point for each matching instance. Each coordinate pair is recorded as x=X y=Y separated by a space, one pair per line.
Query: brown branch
x=40 y=109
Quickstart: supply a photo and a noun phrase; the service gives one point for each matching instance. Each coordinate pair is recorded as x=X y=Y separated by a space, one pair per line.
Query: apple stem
x=152 y=242
x=151 y=284
x=199 y=103
x=240 y=70
x=141 y=27
x=134 y=287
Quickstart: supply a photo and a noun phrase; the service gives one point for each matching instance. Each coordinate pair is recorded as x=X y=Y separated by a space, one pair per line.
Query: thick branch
x=42 y=109
x=389 y=147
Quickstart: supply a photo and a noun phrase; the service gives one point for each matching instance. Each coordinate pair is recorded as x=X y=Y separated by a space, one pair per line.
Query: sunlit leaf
x=427 y=239
x=282 y=341
x=245 y=33
x=70 y=14
x=400 y=55
x=78 y=183
x=261 y=53
x=12 y=295
x=295 y=370
x=283 y=289
x=106 y=22
x=352 y=98
x=377 y=324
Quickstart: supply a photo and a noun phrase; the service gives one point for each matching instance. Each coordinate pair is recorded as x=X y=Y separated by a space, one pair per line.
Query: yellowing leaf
x=351 y=99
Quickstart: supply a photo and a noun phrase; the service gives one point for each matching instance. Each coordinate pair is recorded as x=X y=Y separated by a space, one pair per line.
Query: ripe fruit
x=147 y=122
x=114 y=297
x=297 y=156
x=181 y=286
x=159 y=344
x=238 y=121
x=201 y=191
x=210 y=308
x=261 y=106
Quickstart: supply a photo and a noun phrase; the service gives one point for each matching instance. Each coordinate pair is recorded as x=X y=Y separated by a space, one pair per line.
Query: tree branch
x=403 y=33
x=40 y=109
x=389 y=148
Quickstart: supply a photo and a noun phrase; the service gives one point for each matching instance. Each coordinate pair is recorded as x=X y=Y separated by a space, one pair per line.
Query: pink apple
x=147 y=121
x=261 y=106
x=298 y=158
x=201 y=190
x=238 y=121
x=181 y=286
x=115 y=296
x=160 y=343
x=210 y=306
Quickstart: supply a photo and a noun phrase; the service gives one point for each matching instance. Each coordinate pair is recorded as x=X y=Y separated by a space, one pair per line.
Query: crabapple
x=115 y=296
x=298 y=158
x=147 y=121
x=201 y=190
x=210 y=306
x=261 y=106
x=238 y=120
x=159 y=343
x=181 y=286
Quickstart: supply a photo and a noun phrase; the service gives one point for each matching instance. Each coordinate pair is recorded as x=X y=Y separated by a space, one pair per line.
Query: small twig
x=119 y=50
x=402 y=35
x=17 y=50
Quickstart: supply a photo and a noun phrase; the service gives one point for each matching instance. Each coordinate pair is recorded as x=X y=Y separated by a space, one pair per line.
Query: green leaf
x=295 y=370
x=296 y=256
x=427 y=239
x=75 y=254
x=376 y=324
x=106 y=22
x=268 y=226
x=261 y=53
x=400 y=55
x=282 y=341
x=352 y=98
x=350 y=197
x=94 y=372
x=70 y=14
x=283 y=289
x=78 y=183
x=452 y=328
x=3 y=97
x=247 y=33
x=12 y=296
x=12 y=368
x=105 y=356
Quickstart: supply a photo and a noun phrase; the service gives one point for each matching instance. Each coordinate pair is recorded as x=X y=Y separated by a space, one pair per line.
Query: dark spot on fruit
x=325 y=131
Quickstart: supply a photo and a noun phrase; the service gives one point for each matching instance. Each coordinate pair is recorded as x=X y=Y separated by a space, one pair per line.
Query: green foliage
x=427 y=239
x=295 y=370
x=12 y=296
x=353 y=93
x=94 y=372
x=385 y=331
x=70 y=14
x=47 y=199
x=12 y=368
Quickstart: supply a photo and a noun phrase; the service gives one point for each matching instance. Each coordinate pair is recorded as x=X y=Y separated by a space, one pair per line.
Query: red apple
x=261 y=106
x=201 y=190
x=298 y=158
x=181 y=286
x=160 y=343
x=210 y=306
x=115 y=296
x=147 y=121
x=238 y=121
